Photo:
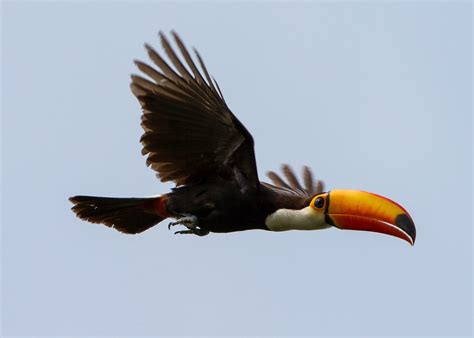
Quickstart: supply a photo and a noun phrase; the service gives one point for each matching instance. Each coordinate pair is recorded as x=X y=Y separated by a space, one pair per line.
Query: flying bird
x=192 y=138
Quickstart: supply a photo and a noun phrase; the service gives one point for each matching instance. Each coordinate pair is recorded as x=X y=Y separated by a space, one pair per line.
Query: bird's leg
x=191 y=222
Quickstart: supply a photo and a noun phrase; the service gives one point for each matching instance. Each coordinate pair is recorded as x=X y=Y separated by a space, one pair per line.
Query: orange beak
x=360 y=210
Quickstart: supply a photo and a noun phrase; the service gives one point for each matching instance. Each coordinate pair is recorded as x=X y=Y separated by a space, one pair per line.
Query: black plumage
x=192 y=138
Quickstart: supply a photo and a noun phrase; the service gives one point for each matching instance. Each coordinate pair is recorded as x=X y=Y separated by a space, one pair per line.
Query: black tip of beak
x=405 y=223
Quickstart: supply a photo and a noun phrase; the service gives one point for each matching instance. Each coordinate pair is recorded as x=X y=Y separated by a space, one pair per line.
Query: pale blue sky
x=372 y=96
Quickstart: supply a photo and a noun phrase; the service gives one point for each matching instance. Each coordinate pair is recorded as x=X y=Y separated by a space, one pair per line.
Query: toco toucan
x=193 y=139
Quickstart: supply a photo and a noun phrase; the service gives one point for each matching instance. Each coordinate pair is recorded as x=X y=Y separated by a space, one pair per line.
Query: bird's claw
x=183 y=232
x=190 y=222
x=196 y=231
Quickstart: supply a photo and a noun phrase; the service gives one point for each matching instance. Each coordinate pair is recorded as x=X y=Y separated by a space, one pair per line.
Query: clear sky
x=372 y=96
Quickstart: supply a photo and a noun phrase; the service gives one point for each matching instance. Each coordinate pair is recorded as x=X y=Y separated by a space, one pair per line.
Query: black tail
x=128 y=215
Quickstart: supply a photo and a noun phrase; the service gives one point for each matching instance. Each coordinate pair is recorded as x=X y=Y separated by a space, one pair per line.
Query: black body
x=222 y=205
x=193 y=139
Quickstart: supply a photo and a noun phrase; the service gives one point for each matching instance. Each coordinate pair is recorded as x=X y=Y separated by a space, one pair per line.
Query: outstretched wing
x=190 y=133
x=293 y=186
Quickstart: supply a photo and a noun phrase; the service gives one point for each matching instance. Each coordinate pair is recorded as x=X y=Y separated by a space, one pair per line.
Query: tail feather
x=127 y=215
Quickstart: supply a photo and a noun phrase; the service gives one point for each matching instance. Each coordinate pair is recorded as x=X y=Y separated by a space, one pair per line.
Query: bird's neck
x=288 y=219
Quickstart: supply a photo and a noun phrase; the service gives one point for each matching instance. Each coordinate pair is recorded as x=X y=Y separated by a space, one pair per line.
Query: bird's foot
x=191 y=222
x=198 y=232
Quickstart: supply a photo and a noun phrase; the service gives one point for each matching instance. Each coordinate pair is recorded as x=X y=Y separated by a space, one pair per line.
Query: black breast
x=219 y=204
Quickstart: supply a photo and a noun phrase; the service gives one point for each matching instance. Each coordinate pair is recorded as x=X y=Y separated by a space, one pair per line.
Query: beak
x=360 y=210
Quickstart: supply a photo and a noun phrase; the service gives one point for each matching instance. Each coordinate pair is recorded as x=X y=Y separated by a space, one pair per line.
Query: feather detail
x=311 y=187
x=206 y=73
x=308 y=180
x=277 y=180
x=189 y=132
x=197 y=75
x=291 y=177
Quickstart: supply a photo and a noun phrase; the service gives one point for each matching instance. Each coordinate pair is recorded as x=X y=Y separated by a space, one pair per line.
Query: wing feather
x=277 y=180
x=291 y=177
x=206 y=73
x=184 y=73
x=311 y=187
x=308 y=180
x=189 y=132
x=197 y=75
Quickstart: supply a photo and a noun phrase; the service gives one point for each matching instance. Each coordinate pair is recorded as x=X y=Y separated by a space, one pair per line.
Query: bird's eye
x=319 y=202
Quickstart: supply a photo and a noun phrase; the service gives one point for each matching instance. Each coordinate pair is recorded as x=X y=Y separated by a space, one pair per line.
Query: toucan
x=192 y=138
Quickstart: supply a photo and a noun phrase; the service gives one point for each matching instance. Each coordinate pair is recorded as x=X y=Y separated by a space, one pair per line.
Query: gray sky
x=372 y=96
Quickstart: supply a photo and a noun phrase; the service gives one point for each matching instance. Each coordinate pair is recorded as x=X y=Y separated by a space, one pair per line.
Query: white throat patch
x=288 y=219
